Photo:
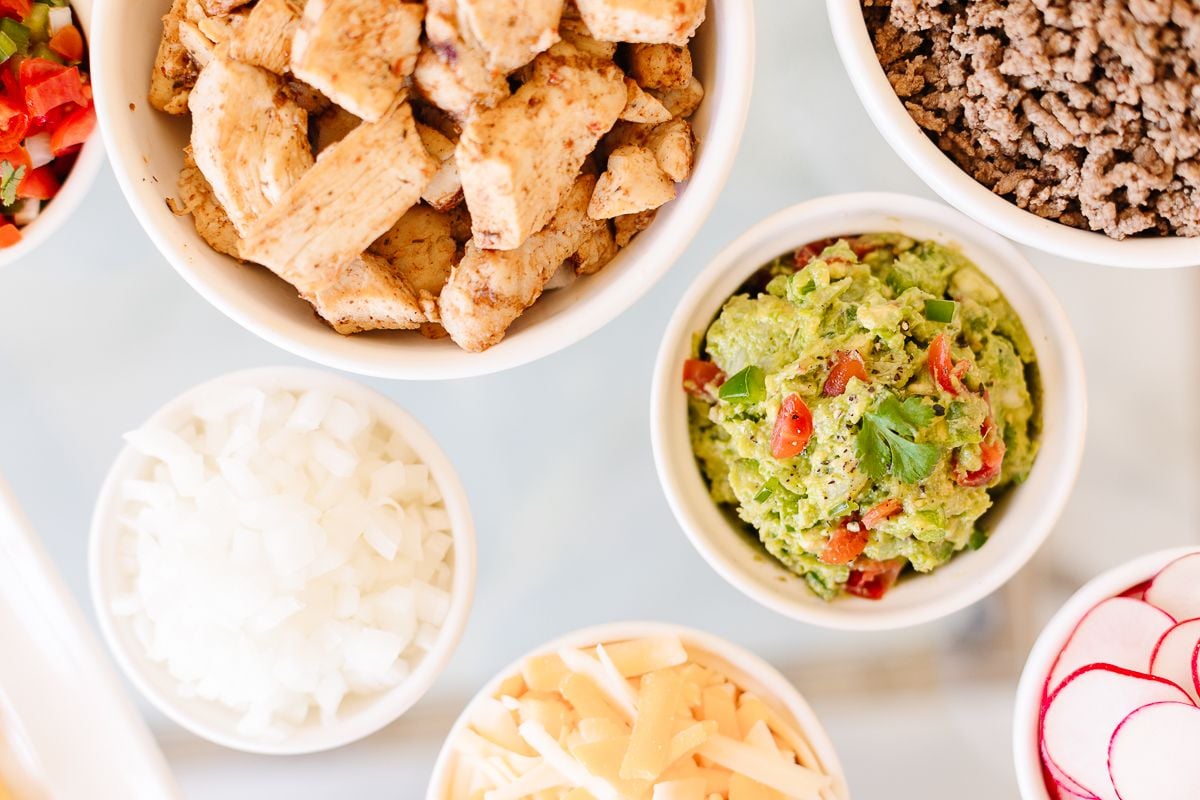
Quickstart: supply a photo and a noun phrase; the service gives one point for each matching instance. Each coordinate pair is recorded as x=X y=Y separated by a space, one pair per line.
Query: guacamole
x=860 y=404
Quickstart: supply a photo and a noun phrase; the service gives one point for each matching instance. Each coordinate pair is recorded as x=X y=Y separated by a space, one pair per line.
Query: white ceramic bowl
x=1018 y=524
x=743 y=667
x=1028 y=705
x=360 y=715
x=146 y=148
x=964 y=192
x=79 y=180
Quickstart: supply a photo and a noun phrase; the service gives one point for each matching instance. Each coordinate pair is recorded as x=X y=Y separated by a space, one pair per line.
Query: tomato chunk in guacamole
x=861 y=403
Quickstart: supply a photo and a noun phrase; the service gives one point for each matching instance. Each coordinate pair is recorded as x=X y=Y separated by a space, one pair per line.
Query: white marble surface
x=96 y=331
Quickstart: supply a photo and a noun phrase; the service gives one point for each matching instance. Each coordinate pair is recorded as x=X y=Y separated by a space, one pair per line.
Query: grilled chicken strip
x=648 y=21
x=358 y=53
x=517 y=161
x=365 y=294
x=196 y=198
x=352 y=195
x=452 y=73
x=489 y=289
x=264 y=39
x=248 y=138
x=511 y=32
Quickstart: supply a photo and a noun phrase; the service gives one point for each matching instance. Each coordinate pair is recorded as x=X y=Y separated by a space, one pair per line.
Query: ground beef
x=1082 y=111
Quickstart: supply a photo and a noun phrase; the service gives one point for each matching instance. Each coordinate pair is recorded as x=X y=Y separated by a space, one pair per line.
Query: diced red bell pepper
x=793 y=428
x=9 y=235
x=882 y=511
x=54 y=91
x=846 y=543
x=39 y=184
x=68 y=43
x=872 y=579
x=15 y=8
x=35 y=70
x=847 y=364
x=14 y=123
x=698 y=375
x=74 y=130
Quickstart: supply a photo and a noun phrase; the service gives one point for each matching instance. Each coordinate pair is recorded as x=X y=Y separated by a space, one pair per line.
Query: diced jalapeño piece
x=747 y=386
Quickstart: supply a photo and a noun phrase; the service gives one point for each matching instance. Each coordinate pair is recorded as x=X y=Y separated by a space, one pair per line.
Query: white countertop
x=97 y=331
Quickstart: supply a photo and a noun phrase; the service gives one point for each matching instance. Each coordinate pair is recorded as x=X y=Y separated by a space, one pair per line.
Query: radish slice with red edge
x=1155 y=753
x=1066 y=788
x=1176 y=588
x=1175 y=656
x=1120 y=631
x=1082 y=714
x=1196 y=669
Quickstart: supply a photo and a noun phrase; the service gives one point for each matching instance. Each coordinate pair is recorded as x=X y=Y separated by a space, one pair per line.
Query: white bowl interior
x=360 y=715
x=964 y=192
x=1028 y=705
x=146 y=147
x=743 y=667
x=77 y=185
x=1017 y=526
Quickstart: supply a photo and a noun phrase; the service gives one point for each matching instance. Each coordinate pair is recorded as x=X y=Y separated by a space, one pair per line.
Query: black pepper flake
x=939 y=410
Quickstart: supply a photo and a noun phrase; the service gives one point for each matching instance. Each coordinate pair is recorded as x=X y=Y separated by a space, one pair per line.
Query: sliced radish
x=1175 y=655
x=1084 y=711
x=1137 y=592
x=1067 y=788
x=1120 y=631
x=1176 y=589
x=1196 y=669
x=1155 y=753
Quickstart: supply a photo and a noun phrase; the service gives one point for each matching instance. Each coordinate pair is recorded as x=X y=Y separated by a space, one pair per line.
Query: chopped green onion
x=978 y=537
x=15 y=31
x=8 y=48
x=747 y=386
x=38 y=22
x=809 y=287
x=769 y=488
x=940 y=310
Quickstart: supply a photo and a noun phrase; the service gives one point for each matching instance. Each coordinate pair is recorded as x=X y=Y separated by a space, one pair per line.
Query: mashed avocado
x=861 y=404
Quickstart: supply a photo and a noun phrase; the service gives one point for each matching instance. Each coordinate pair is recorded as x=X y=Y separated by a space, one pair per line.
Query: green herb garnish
x=10 y=179
x=747 y=386
x=886 y=443
x=769 y=488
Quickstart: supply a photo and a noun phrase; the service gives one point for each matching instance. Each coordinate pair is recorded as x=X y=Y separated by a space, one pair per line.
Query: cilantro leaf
x=886 y=443
x=10 y=179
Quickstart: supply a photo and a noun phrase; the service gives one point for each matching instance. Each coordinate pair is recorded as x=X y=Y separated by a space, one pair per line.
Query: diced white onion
x=38 y=147
x=60 y=17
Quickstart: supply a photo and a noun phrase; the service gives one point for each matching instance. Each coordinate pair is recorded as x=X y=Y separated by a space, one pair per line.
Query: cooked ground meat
x=1082 y=111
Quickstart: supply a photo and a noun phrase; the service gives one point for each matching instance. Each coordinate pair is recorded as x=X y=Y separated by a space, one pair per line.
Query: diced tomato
x=9 y=235
x=873 y=579
x=809 y=252
x=17 y=156
x=74 y=130
x=39 y=184
x=885 y=510
x=941 y=367
x=35 y=70
x=846 y=543
x=17 y=8
x=991 y=453
x=793 y=428
x=54 y=91
x=861 y=249
x=14 y=123
x=68 y=43
x=698 y=375
x=847 y=364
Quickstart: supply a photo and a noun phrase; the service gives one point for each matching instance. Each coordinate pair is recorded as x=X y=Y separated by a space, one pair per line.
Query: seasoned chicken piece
x=248 y=138
x=660 y=66
x=633 y=182
x=331 y=126
x=219 y=8
x=196 y=198
x=310 y=99
x=452 y=73
x=575 y=32
x=518 y=160
x=265 y=38
x=200 y=48
x=627 y=226
x=358 y=53
x=444 y=191
x=365 y=294
x=682 y=101
x=460 y=223
x=642 y=106
x=489 y=289
x=595 y=253
x=510 y=32
x=421 y=250
x=218 y=26
x=650 y=21
x=673 y=148
x=175 y=71
x=352 y=195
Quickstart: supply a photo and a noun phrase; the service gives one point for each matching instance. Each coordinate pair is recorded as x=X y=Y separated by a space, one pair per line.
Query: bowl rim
x=962 y=191
x=1027 y=760
x=678 y=473
x=379 y=709
x=55 y=214
x=783 y=693
x=733 y=23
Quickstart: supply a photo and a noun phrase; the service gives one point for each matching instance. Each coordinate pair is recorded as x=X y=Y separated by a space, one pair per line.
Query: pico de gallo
x=860 y=403
x=46 y=111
